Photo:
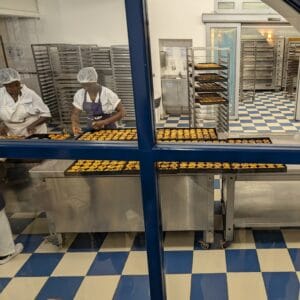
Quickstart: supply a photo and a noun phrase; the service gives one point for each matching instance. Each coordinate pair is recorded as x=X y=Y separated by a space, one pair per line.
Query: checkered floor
x=258 y=265
x=271 y=112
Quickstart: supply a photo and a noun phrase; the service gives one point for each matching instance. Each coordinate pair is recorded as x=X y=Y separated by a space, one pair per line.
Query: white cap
x=8 y=75
x=88 y=74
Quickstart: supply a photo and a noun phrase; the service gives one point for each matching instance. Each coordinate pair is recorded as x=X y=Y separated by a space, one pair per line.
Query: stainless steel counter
x=114 y=203
x=261 y=200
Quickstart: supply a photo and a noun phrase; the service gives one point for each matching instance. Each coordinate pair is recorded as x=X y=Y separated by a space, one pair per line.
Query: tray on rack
x=209 y=99
x=209 y=77
x=209 y=66
x=209 y=88
x=50 y=136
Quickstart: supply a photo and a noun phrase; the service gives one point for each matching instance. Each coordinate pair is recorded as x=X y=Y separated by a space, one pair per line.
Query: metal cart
x=208 y=79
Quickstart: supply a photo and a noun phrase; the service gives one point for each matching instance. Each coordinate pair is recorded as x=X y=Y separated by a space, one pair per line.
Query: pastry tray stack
x=208 y=74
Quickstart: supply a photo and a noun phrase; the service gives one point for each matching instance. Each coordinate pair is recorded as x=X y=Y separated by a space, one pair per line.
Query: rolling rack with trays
x=208 y=80
x=291 y=64
x=258 y=67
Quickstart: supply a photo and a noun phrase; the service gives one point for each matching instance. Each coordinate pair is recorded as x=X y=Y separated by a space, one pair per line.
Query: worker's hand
x=31 y=129
x=3 y=130
x=76 y=130
x=99 y=124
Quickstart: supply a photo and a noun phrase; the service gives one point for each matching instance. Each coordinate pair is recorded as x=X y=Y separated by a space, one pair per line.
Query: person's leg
x=8 y=249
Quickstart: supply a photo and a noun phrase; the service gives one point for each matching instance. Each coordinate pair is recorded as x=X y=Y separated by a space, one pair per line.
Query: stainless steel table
x=261 y=200
x=114 y=203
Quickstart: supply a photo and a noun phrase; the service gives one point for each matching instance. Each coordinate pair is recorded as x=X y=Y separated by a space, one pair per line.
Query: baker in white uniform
x=8 y=248
x=102 y=106
x=22 y=111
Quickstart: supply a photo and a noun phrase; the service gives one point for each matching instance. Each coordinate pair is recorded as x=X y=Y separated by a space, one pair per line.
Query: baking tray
x=90 y=173
x=81 y=136
x=214 y=137
x=182 y=170
x=259 y=170
x=12 y=137
x=209 y=66
x=209 y=77
x=210 y=99
x=209 y=88
x=242 y=141
x=47 y=136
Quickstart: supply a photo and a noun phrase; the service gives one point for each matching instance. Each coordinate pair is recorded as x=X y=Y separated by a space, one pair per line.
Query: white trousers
x=7 y=244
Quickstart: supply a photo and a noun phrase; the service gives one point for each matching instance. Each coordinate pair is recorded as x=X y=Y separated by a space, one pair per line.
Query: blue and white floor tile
x=259 y=264
x=271 y=112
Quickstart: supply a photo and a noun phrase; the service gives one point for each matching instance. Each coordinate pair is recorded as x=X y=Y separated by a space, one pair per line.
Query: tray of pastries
x=209 y=66
x=131 y=167
x=185 y=134
x=257 y=168
x=209 y=77
x=129 y=134
x=50 y=136
x=162 y=134
x=204 y=167
x=168 y=167
x=208 y=87
x=96 y=167
x=263 y=140
x=208 y=99
x=11 y=137
x=114 y=167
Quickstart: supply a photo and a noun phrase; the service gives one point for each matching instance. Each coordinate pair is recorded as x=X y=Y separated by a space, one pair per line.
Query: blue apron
x=95 y=112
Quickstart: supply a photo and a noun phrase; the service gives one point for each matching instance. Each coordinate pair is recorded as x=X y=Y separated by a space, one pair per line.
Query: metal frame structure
x=208 y=115
x=235 y=75
x=147 y=152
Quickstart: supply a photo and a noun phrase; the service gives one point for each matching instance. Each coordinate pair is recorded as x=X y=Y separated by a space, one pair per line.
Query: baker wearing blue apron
x=102 y=106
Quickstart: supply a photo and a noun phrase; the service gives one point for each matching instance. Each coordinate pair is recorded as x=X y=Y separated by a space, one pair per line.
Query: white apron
x=21 y=128
x=7 y=245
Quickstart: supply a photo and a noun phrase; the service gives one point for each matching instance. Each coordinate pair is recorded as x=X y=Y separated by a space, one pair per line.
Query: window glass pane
x=80 y=222
x=48 y=52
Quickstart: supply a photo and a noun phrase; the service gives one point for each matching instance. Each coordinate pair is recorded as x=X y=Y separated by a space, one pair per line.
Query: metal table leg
x=208 y=235
x=54 y=237
x=228 y=194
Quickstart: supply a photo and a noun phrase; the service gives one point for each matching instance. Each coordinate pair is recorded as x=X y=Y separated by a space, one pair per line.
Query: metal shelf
x=261 y=65
x=211 y=81
x=291 y=63
x=57 y=66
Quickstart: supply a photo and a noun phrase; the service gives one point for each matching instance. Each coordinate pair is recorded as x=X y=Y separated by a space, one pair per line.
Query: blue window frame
x=147 y=152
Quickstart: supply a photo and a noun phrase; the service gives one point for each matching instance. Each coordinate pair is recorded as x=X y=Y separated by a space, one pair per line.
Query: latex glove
x=3 y=130
x=76 y=130
x=31 y=129
x=98 y=125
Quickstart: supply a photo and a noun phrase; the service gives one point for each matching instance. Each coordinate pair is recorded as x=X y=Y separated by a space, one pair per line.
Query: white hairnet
x=8 y=75
x=88 y=74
